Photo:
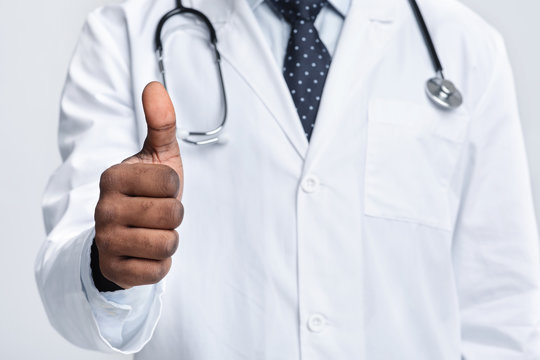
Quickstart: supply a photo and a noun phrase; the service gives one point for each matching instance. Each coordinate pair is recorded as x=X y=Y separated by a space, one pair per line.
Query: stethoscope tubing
x=195 y=137
x=426 y=35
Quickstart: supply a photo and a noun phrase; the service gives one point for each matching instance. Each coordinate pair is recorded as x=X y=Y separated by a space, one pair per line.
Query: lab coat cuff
x=126 y=319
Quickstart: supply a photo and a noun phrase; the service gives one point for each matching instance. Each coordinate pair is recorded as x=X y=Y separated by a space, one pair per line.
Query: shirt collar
x=341 y=6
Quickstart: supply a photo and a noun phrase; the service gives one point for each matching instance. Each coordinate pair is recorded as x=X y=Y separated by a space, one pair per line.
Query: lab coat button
x=310 y=184
x=316 y=323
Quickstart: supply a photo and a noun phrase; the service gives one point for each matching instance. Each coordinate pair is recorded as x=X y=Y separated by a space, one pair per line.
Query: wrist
x=100 y=282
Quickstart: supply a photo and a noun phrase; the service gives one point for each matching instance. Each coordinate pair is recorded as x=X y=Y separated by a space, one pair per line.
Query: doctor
x=353 y=220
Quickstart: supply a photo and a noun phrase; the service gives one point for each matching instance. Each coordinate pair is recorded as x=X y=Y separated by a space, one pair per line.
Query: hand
x=139 y=206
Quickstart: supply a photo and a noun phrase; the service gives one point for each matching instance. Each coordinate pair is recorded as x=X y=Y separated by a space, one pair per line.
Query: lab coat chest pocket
x=412 y=151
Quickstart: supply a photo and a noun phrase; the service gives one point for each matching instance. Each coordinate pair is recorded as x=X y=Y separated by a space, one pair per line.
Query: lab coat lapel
x=243 y=46
x=368 y=28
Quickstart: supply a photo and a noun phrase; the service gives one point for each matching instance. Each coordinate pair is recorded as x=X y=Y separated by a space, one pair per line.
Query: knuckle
x=111 y=240
x=106 y=212
x=107 y=268
x=109 y=177
x=104 y=242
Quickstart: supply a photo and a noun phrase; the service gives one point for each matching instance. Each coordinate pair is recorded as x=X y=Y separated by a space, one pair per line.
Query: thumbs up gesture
x=139 y=206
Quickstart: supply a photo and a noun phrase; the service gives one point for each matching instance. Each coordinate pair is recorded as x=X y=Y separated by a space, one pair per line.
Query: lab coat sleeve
x=496 y=246
x=121 y=315
x=97 y=129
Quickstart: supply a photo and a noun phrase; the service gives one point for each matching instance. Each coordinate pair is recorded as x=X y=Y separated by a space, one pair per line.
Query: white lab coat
x=400 y=232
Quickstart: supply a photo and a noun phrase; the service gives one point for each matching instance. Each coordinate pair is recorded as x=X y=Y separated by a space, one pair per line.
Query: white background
x=36 y=42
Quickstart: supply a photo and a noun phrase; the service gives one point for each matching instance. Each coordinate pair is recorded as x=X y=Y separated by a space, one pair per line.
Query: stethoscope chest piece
x=444 y=93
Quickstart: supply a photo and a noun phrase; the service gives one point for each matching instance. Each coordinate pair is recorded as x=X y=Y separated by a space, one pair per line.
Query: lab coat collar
x=352 y=69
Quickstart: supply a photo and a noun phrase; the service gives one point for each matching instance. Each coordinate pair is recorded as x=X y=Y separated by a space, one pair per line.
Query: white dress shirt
x=121 y=314
x=277 y=30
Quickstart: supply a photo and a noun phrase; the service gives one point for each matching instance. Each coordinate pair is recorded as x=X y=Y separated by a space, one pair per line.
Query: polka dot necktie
x=307 y=60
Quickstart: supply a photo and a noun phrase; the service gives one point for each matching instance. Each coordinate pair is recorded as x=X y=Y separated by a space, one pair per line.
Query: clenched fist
x=139 y=206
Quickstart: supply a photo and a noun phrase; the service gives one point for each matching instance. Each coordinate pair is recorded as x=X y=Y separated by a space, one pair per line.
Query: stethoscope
x=441 y=91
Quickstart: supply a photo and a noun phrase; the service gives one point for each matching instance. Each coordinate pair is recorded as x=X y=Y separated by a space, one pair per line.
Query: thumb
x=161 y=121
x=160 y=146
